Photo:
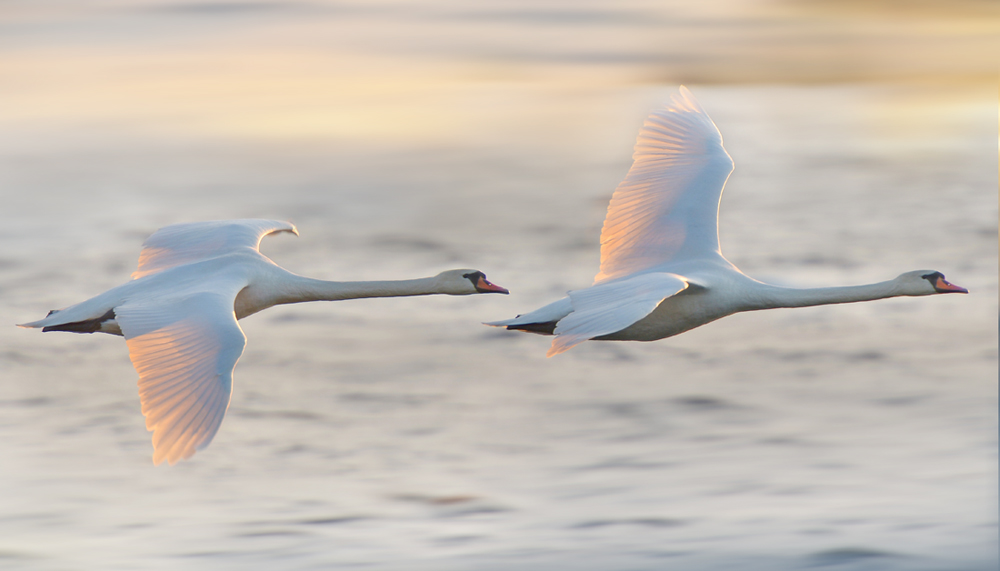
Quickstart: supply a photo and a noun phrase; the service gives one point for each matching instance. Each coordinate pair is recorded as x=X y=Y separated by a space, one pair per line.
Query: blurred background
x=407 y=138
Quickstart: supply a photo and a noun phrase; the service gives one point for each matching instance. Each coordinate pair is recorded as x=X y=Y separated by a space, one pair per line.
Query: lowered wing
x=607 y=308
x=184 y=349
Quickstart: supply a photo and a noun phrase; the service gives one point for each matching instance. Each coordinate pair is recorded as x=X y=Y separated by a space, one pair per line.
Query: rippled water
x=400 y=433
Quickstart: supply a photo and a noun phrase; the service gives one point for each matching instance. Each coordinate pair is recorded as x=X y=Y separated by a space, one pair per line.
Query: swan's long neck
x=291 y=288
x=768 y=296
x=308 y=289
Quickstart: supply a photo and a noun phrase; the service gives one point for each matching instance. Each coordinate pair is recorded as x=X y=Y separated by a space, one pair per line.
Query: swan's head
x=927 y=282
x=465 y=282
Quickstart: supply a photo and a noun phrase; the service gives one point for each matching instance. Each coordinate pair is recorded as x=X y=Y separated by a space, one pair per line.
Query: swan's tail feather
x=546 y=328
x=513 y=322
x=541 y=317
x=56 y=320
x=85 y=326
x=526 y=323
x=51 y=318
x=44 y=322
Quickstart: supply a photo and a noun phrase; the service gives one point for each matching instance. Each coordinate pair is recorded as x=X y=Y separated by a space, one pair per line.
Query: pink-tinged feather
x=666 y=208
x=184 y=351
x=180 y=244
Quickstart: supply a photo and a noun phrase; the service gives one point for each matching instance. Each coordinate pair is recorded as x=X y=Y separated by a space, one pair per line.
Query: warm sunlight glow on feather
x=179 y=318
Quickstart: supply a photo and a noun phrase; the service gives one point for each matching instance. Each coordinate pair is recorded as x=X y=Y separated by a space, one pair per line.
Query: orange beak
x=944 y=286
x=484 y=286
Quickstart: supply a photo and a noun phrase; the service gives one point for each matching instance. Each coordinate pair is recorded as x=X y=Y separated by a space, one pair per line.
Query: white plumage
x=662 y=270
x=179 y=318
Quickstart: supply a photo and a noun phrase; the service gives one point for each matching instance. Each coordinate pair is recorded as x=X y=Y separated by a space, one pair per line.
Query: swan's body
x=662 y=270
x=178 y=316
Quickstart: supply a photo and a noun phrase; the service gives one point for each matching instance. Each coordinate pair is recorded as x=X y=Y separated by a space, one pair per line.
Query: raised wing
x=610 y=307
x=180 y=244
x=667 y=207
x=184 y=349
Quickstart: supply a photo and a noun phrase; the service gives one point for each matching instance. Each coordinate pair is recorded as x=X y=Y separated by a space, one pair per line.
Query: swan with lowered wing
x=179 y=318
x=662 y=270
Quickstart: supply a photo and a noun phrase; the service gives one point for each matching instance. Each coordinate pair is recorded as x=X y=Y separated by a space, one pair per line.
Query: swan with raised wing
x=662 y=272
x=179 y=318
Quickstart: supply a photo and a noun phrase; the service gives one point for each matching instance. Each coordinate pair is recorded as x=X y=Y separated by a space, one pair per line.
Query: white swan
x=662 y=271
x=178 y=316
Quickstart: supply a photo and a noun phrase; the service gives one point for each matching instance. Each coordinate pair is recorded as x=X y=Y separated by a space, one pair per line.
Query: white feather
x=609 y=307
x=667 y=207
x=661 y=234
x=181 y=244
x=179 y=318
x=551 y=312
x=184 y=348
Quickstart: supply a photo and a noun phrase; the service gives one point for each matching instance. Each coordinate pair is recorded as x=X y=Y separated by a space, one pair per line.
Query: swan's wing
x=184 y=349
x=667 y=207
x=610 y=307
x=180 y=244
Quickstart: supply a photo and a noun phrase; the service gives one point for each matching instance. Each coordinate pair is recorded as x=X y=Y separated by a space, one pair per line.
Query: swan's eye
x=474 y=276
x=933 y=277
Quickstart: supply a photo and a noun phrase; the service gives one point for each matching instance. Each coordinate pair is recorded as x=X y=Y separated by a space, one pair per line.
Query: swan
x=179 y=318
x=662 y=272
